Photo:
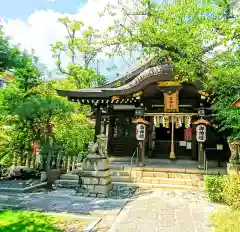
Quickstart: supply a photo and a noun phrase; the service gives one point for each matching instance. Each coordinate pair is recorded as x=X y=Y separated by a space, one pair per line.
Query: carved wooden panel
x=171 y=102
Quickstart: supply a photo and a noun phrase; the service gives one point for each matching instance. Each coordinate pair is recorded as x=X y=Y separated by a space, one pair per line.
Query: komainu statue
x=98 y=149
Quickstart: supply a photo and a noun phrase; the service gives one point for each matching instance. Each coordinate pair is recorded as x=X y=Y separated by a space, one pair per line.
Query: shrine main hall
x=172 y=110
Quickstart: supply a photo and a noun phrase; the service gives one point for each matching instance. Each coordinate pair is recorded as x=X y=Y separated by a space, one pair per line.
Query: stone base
x=96 y=164
x=233 y=168
x=89 y=173
x=91 y=190
x=95 y=180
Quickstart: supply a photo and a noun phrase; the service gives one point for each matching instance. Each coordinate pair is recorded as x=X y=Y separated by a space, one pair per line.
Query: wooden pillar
x=98 y=122
x=150 y=138
x=200 y=156
x=194 y=143
x=107 y=127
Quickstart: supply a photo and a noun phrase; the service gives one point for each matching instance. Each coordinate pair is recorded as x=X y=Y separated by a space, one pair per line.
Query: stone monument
x=233 y=167
x=95 y=178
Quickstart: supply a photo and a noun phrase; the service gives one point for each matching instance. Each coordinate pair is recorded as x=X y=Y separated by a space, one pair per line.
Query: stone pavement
x=165 y=211
x=62 y=200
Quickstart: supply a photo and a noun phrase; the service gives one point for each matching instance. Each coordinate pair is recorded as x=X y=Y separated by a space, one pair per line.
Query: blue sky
x=22 y=9
x=34 y=25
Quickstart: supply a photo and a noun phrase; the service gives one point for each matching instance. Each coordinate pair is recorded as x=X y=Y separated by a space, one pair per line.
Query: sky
x=33 y=24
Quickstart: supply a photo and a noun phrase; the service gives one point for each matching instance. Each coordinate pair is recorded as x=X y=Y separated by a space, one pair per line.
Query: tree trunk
x=14 y=163
x=49 y=172
x=49 y=185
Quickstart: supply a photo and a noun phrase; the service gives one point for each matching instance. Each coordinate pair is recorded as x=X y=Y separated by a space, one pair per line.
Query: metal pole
x=172 y=154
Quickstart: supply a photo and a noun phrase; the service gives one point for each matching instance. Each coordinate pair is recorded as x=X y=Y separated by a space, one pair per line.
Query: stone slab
x=105 y=173
x=164 y=211
x=95 y=180
x=103 y=189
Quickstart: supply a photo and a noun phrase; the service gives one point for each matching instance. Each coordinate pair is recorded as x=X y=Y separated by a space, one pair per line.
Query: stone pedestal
x=233 y=169
x=95 y=179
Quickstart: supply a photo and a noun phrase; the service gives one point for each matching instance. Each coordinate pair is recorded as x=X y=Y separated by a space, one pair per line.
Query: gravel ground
x=121 y=191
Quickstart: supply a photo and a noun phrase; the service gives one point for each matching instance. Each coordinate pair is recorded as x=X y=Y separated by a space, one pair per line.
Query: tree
x=183 y=33
x=82 y=52
x=37 y=114
x=74 y=133
x=224 y=84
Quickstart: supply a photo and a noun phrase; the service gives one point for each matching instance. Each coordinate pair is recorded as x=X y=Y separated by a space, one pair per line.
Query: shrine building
x=172 y=108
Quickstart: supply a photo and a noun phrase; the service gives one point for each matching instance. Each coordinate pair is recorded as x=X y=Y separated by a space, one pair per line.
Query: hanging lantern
x=165 y=122
x=157 y=121
x=187 y=122
x=179 y=122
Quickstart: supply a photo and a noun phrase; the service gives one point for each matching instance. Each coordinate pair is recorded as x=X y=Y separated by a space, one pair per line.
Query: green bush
x=226 y=220
x=231 y=191
x=214 y=186
x=225 y=189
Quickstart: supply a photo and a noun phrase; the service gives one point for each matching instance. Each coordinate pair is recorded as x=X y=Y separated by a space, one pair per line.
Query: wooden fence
x=35 y=161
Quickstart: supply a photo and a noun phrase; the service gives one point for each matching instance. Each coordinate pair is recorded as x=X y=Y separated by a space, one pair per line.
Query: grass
x=27 y=221
x=226 y=220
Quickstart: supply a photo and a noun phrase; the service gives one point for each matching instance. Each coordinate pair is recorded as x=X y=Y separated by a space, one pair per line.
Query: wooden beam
x=98 y=122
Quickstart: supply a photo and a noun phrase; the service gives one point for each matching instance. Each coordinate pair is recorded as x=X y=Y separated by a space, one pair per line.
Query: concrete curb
x=90 y=227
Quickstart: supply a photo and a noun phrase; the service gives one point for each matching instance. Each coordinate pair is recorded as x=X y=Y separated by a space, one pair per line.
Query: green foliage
x=214 y=188
x=31 y=111
x=26 y=221
x=74 y=133
x=226 y=220
x=224 y=189
x=181 y=32
x=27 y=77
x=231 y=191
x=82 y=52
x=10 y=57
x=224 y=83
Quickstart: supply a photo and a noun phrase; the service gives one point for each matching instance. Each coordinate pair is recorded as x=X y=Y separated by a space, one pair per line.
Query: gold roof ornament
x=141 y=121
x=202 y=121
x=138 y=94
x=169 y=83
x=203 y=93
x=115 y=98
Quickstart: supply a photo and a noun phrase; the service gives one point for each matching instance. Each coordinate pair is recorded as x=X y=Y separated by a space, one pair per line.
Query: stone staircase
x=155 y=178
x=182 y=175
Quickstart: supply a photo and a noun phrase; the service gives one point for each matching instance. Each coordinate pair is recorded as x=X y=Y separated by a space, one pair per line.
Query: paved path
x=61 y=201
x=167 y=211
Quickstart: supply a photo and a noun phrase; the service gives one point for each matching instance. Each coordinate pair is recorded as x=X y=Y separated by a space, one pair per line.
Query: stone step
x=170 y=181
x=120 y=173
x=162 y=186
x=121 y=179
x=69 y=176
x=67 y=183
x=168 y=169
x=150 y=161
x=166 y=175
x=157 y=180
x=156 y=174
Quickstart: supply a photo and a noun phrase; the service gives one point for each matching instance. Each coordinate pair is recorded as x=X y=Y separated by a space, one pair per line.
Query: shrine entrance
x=172 y=136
